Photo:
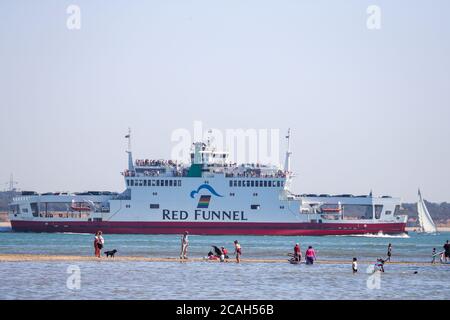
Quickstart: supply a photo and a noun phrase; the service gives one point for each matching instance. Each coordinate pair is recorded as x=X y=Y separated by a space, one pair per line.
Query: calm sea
x=200 y=280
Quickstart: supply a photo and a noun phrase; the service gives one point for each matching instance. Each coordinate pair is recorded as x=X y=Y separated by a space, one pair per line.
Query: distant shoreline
x=5 y=225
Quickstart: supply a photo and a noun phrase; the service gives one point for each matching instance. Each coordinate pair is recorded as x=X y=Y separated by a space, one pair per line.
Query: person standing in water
x=310 y=255
x=433 y=256
x=297 y=253
x=446 y=251
x=98 y=244
x=379 y=265
x=389 y=252
x=355 y=265
x=237 y=251
x=224 y=254
x=184 y=245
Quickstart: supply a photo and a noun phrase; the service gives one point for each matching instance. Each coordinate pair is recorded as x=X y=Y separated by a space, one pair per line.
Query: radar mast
x=130 y=155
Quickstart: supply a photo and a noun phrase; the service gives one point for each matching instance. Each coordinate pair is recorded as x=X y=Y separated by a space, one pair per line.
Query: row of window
x=256 y=183
x=153 y=183
x=232 y=194
x=156 y=206
x=177 y=183
x=253 y=206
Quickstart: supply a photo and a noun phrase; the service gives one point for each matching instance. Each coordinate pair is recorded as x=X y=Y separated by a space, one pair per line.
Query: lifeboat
x=337 y=209
x=331 y=210
x=79 y=207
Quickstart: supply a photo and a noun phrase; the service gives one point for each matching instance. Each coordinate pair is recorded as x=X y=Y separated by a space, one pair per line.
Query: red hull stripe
x=209 y=228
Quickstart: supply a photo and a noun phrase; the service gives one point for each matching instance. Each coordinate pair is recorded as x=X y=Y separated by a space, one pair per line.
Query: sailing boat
x=426 y=222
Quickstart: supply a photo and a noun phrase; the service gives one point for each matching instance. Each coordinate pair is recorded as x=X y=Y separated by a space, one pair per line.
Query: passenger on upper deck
x=154 y=163
x=128 y=173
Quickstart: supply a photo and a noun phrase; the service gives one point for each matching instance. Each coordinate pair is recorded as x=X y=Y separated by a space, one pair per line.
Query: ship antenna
x=11 y=183
x=209 y=138
x=130 y=156
x=128 y=137
x=287 y=163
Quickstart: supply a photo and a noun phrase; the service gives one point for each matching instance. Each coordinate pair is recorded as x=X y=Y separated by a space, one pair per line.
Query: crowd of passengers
x=155 y=173
x=256 y=174
x=171 y=163
x=184 y=172
x=243 y=170
x=155 y=163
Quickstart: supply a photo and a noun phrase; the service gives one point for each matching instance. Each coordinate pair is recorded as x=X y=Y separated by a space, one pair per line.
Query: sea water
x=201 y=280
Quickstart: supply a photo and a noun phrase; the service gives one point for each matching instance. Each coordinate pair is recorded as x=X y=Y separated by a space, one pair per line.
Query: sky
x=369 y=109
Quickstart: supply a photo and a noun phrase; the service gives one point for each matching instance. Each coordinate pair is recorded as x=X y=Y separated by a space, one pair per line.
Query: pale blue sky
x=368 y=109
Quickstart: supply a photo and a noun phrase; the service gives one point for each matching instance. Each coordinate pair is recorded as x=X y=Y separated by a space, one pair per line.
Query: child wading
x=389 y=252
x=98 y=244
x=355 y=265
x=379 y=265
x=224 y=254
x=237 y=251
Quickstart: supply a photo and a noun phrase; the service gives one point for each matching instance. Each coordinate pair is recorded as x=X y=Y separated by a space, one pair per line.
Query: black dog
x=110 y=253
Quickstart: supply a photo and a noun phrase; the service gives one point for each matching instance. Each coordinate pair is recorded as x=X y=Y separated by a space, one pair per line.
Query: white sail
x=426 y=222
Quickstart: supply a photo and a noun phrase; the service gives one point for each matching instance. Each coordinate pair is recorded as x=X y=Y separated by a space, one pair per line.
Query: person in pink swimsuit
x=310 y=255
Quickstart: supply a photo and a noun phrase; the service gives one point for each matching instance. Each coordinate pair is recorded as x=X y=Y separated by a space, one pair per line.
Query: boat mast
x=287 y=161
x=130 y=155
x=11 y=184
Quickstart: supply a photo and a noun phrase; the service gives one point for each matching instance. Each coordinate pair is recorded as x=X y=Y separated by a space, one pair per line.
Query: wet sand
x=68 y=258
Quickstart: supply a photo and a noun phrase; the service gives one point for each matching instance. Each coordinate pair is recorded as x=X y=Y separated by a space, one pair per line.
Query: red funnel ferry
x=208 y=196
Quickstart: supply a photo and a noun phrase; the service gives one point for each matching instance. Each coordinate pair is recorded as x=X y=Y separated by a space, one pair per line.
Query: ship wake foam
x=382 y=235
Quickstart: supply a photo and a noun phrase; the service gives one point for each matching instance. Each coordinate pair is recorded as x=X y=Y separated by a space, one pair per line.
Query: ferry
x=209 y=196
